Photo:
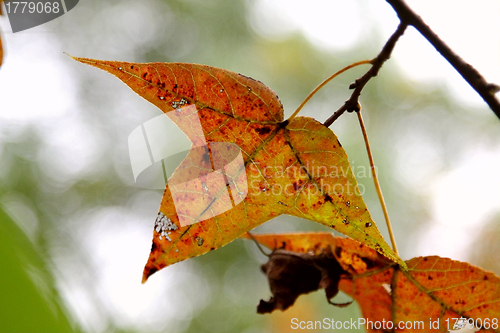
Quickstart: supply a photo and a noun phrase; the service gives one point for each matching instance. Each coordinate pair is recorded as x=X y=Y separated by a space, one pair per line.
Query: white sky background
x=463 y=27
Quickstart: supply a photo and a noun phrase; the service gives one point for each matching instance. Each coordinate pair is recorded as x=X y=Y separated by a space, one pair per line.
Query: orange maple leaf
x=297 y=168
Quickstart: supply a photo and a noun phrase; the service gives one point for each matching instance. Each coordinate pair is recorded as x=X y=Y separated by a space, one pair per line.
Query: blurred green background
x=75 y=231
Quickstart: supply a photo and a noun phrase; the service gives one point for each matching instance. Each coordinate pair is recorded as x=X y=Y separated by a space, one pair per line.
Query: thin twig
x=376 y=182
x=331 y=77
x=485 y=89
x=352 y=103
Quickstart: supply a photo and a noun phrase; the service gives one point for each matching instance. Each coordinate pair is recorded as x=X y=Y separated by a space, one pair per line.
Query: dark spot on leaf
x=263 y=130
x=153 y=247
x=206 y=158
x=328 y=198
x=429 y=277
x=175 y=86
x=369 y=263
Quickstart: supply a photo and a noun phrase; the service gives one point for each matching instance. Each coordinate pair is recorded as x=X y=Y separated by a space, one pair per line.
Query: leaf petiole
x=375 y=180
x=258 y=244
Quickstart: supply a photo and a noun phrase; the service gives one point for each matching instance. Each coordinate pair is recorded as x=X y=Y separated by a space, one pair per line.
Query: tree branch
x=407 y=17
x=352 y=103
x=470 y=74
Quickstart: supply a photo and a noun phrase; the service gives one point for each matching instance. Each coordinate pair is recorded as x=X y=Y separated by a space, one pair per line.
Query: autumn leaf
x=434 y=292
x=297 y=168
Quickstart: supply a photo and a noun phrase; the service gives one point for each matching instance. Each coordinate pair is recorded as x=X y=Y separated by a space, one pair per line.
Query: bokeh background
x=75 y=231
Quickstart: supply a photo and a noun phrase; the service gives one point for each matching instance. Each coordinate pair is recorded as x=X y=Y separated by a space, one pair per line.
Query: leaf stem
x=258 y=244
x=376 y=182
x=363 y=62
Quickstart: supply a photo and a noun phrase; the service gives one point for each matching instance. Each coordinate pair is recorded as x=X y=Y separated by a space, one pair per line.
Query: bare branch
x=485 y=89
x=352 y=103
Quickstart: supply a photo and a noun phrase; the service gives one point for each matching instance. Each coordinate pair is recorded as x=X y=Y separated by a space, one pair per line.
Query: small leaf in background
x=297 y=168
x=435 y=292
x=29 y=299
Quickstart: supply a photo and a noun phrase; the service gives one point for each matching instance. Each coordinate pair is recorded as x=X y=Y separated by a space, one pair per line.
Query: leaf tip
x=82 y=60
x=76 y=58
x=145 y=275
x=397 y=260
x=148 y=271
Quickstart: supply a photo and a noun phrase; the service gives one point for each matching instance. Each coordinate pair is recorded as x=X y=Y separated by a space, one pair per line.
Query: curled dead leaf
x=292 y=274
